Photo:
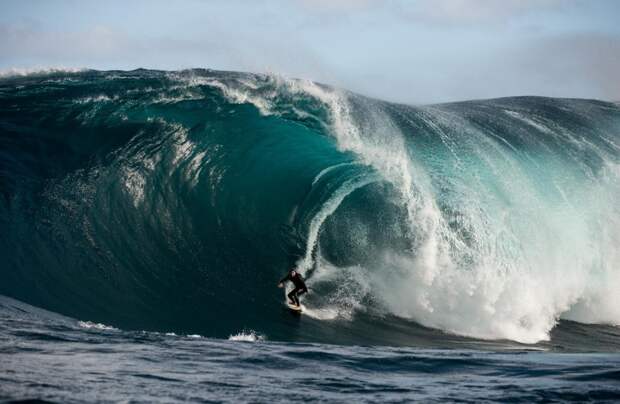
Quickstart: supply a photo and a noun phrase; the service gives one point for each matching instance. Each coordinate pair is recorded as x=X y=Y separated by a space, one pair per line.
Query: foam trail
x=327 y=209
x=330 y=169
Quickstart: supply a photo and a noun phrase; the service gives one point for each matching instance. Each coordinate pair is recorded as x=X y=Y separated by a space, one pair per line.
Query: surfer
x=300 y=286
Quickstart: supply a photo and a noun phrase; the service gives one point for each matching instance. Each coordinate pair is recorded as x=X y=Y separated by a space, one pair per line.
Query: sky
x=410 y=51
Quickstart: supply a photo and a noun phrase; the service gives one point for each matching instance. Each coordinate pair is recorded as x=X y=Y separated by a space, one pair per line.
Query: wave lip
x=39 y=71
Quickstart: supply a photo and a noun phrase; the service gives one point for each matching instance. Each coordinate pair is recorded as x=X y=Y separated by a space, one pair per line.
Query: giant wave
x=175 y=200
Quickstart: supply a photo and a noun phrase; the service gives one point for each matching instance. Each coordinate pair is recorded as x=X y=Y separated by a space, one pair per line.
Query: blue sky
x=408 y=51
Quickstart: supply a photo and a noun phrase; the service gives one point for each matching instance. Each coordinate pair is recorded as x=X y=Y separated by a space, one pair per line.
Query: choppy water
x=53 y=358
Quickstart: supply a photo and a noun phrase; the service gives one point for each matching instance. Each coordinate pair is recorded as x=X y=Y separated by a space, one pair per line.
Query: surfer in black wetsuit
x=300 y=286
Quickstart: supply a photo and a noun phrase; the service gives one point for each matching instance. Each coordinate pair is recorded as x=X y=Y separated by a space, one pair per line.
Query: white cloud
x=476 y=11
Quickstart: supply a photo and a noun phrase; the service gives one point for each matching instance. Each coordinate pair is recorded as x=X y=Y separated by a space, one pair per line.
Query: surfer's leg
x=292 y=296
x=299 y=293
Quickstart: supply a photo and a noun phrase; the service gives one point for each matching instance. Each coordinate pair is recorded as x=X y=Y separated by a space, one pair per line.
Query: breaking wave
x=176 y=200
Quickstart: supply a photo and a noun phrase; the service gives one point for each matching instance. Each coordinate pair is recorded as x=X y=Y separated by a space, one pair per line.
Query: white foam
x=328 y=209
x=330 y=169
x=38 y=71
x=235 y=94
x=330 y=313
x=97 y=326
x=600 y=300
x=96 y=99
x=134 y=182
x=247 y=336
x=352 y=285
x=529 y=121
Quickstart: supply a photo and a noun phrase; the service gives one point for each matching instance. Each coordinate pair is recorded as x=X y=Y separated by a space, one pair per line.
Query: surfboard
x=296 y=309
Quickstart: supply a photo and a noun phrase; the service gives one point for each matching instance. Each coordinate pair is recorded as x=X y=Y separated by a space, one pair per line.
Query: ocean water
x=453 y=252
x=56 y=359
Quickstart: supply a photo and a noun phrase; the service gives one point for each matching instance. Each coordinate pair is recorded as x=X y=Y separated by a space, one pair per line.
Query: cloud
x=578 y=65
x=338 y=5
x=26 y=41
x=476 y=11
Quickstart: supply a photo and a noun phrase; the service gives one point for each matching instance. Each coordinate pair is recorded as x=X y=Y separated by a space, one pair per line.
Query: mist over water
x=173 y=201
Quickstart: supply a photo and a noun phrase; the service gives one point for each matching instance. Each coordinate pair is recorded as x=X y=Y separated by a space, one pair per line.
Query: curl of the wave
x=512 y=253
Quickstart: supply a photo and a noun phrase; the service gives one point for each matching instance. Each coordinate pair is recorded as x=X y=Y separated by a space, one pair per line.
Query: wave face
x=176 y=200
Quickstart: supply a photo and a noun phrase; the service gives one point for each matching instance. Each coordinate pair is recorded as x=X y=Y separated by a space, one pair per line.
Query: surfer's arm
x=286 y=278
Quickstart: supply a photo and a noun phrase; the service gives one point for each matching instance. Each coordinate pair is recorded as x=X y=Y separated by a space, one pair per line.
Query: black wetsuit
x=300 y=285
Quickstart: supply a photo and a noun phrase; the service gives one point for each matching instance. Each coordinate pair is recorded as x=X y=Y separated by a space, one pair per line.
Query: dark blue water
x=57 y=359
x=455 y=251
